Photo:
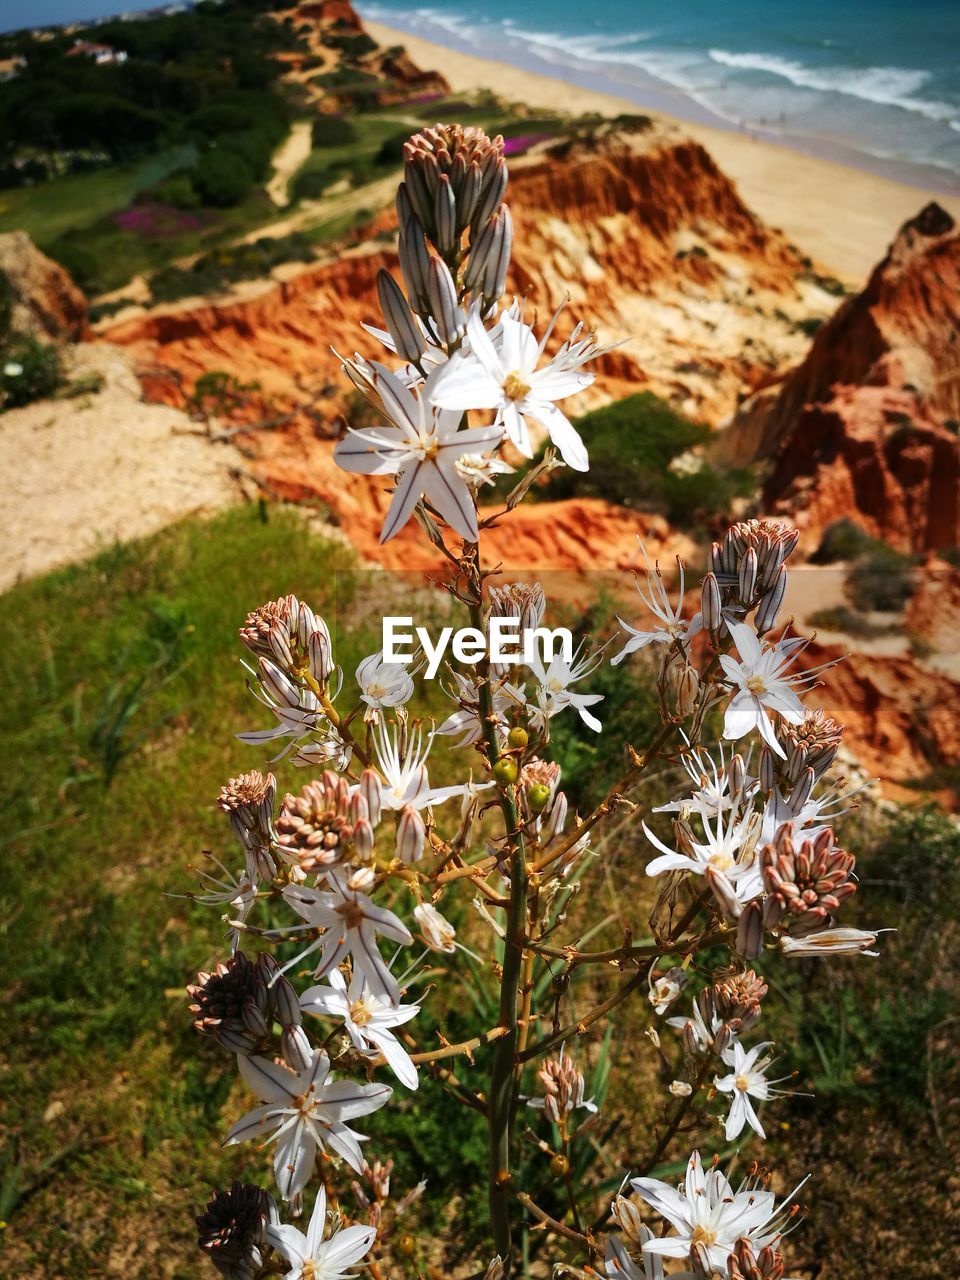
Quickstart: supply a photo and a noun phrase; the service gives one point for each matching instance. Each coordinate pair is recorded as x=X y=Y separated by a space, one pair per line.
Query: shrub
x=843 y=540
x=177 y=190
x=223 y=178
x=881 y=580
x=29 y=370
x=332 y=131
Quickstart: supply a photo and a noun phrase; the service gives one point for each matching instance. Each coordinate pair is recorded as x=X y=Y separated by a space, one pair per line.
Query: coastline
x=843 y=217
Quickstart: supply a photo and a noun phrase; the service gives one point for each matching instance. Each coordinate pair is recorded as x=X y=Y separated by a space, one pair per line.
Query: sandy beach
x=843 y=217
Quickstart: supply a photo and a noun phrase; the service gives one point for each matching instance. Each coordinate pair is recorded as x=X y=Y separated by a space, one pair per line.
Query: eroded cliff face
x=647 y=237
x=866 y=427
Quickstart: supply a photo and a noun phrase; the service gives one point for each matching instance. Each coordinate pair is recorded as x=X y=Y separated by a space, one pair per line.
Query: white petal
x=269 y=1080
x=405 y=498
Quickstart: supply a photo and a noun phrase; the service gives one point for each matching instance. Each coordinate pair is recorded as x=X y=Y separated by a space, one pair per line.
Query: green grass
x=49 y=209
x=124 y=692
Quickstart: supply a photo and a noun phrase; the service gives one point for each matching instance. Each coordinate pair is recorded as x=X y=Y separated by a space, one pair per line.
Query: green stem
x=502 y=1100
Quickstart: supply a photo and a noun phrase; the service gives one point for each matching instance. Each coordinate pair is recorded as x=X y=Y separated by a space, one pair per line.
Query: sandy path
x=843 y=217
x=83 y=473
x=287 y=160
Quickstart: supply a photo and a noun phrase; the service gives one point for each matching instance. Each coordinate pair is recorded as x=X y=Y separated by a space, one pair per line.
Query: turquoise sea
x=874 y=83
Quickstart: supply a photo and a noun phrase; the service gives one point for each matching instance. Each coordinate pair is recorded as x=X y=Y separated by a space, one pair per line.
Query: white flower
x=746 y=1080
x=703 y=1036
x=306 y=1112
x=298 y=710
x=504 y=376
x=712 y=791
x=12 y=369
x=721 y=850
x=554 y=693
x=368 y=1020
x=665 y=990
x=680 y=1088
x=421 y=449
x=708 y=1213
x=762 y=685
x=620 y=1266
x=672 y=626
x=313 y=1258
x=438 y=933
x=405 y=780
x=236 y=891
x=351 y=923
x=478 y=469
x=383 y=684
x=839 y=942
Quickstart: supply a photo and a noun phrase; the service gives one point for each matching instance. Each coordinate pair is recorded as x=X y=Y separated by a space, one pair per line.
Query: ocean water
x=874 y=83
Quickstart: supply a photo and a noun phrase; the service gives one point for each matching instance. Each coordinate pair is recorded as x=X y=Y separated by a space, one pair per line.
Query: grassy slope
x=103 y=1072
x=111 y=1108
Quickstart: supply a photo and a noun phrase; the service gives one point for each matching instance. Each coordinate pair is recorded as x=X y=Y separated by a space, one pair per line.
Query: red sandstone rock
x=866 y=427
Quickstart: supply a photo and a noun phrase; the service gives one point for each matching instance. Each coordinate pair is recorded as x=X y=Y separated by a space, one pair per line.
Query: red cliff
x=867 y=426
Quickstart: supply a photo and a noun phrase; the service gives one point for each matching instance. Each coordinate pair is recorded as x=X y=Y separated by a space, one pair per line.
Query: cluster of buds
x=238 y=1003
x=454 y=183
x=806 y=882
x=563 y=1088
x=748 y=571
x=745 y=1264
x=249 y=801
x=736 y=998
x=288 y=634
x=324 y=825
x=233 y=1230
x=809 y=748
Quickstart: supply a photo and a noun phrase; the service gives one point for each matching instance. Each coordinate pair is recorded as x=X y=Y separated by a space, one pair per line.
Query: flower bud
x=768 y=769
x=710 y=602
x=626 y=1214
x=750 y=931
x=296 y=1049
x=770 y=604
x=724 y=893
x=444 y=307
x=286 y=1002
x=406 y=333
x=445 y=216
x=688 y=686
x=362 y=880
x=748 y=576
x=320 y=652
x=415 y=263
x=363 y=840
x=411 y=835
x=371 y=791
x=801 y=792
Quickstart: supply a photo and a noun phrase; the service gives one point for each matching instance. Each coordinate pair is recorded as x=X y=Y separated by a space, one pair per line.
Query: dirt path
x=287 y=160
x=83 y=473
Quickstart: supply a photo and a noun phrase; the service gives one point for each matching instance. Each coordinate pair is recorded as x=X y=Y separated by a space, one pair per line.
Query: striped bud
x=444 y=307
x=498 y=261
x=710 y=600
x=724 y=893
x=415 y=263
x=748 y=576
x=411 y=835
x=770 y=604
x=750 y=931
x=445 y=216
x=371 y=792
x=404 y=330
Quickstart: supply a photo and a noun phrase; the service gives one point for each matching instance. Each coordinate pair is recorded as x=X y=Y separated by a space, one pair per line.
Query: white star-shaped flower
x=504 y=376
x=369 y=1021
x=304 y=1111
x=421 y=448
x=313 y=1258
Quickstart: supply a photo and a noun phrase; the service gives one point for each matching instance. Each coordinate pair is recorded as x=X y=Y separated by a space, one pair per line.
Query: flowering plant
x=362 y=868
